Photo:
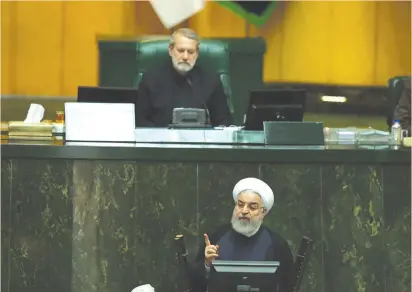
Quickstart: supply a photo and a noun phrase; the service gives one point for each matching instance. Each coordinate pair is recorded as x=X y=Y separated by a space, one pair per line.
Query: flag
x=255 y=12
x=173 y=12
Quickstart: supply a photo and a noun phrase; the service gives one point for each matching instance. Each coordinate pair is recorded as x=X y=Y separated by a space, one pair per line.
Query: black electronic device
x=189 y=118
x=294 y=133
x=237 y=276
x=107 y=94
x=186 y=118
x=274 y=105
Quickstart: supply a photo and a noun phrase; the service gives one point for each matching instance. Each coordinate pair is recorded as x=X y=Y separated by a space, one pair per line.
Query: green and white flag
x=254 y=12
x=173 y=12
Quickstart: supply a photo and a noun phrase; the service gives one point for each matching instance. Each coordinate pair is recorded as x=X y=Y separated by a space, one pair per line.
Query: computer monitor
x=235 y=276
x=106 y=94
x=274 y=105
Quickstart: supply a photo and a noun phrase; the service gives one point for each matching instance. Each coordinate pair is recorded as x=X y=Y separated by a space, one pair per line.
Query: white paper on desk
x=35 y=113
x=144 y=288
x=233 y=128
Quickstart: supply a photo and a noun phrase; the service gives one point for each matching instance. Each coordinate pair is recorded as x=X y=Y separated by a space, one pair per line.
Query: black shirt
x=403 y=109
x=265 y=245
x=162 y=89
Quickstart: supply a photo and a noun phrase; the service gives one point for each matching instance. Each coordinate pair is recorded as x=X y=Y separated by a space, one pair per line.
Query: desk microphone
x=181 y=257
x=201 y=100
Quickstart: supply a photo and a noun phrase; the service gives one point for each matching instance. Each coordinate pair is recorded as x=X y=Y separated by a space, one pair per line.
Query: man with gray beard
x=245 y=239
x=181 y=83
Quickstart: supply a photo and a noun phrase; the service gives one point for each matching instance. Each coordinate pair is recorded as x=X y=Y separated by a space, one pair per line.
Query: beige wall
x=49 y=48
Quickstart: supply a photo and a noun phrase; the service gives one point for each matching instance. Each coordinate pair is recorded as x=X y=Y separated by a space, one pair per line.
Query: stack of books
x=4 y=130
x=30 y=131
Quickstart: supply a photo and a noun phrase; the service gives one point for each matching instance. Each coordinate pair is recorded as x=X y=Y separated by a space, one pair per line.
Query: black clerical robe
x=265 y=245
x=162 y=89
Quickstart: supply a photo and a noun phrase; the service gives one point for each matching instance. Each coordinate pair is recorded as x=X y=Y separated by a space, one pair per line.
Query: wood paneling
x=49 y=48
x=7 y=56
x=359 y=43
x=393 y=40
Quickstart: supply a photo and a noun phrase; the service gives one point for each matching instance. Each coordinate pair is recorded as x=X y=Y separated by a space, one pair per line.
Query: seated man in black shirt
x=403 y=109
x=245 y=239
x=180 y=83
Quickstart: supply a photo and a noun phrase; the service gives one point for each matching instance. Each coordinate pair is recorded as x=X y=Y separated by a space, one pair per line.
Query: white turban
x=144 y=288
x=257 y=186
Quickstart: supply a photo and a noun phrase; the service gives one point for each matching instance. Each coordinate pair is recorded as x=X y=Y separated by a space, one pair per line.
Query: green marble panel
x=168 y=194
x=352 y=202
x=105 y=226
x=297 y=212
x=103 y=199
x=41 y=224
x=6 y=193
x=397 y=233
x=126 y=216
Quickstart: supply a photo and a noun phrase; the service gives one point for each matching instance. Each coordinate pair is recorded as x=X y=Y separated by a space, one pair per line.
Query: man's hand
x=211 y=251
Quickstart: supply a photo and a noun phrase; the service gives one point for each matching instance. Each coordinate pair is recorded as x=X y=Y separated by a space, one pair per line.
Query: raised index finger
x=207 y=241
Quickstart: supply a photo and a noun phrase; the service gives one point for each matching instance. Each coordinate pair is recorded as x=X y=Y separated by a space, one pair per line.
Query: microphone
x=181 y=258
x=181 y=255
x=199 y=98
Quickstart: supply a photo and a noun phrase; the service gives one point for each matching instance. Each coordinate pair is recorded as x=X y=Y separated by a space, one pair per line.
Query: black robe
x=162 y=89
x=265 y=245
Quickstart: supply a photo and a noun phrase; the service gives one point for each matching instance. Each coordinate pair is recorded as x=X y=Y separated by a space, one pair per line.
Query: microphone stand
x=301 y=261
x=181 y=258
x=199 y=98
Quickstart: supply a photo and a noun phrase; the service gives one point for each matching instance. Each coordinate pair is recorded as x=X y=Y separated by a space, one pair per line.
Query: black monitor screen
x=274 y=105
x=106 y=94
x=235 y=276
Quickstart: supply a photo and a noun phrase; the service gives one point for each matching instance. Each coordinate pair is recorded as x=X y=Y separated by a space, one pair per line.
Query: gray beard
x=182 y=69
x=246 y=228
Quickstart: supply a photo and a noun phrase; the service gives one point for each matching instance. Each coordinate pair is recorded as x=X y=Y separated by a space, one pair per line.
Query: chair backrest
x=301 y=261
x=394 y=91
x=213 y=54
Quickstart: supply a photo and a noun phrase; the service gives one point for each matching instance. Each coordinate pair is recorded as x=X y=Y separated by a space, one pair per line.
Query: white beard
x=246 y=228
x=181 y=67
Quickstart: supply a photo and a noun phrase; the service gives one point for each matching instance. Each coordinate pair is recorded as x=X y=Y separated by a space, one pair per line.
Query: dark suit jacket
x=162 y=89
x=403 y=109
